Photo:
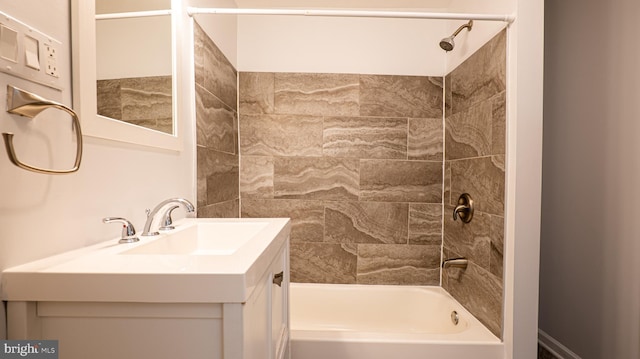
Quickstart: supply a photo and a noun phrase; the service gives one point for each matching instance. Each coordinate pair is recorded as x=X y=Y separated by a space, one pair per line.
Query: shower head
x=447 y=44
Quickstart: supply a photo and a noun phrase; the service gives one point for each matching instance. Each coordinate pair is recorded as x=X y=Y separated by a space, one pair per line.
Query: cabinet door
x=280 y=304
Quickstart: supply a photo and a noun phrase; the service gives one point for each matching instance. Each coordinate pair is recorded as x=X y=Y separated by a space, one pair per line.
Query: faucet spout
x=188 y=206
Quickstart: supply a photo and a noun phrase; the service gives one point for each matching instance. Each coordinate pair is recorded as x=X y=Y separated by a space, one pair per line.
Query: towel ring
x=29 y=105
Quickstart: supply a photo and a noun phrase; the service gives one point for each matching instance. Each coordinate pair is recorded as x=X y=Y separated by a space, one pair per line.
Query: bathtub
x=382 y=322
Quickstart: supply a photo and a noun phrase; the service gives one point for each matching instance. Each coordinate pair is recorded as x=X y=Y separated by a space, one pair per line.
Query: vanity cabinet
x=255 y=329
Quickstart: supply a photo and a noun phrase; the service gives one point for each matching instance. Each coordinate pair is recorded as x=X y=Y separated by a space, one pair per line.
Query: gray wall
x=590 y=244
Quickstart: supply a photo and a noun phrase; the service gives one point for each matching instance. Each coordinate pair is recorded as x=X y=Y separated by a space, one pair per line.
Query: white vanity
x=211 y=288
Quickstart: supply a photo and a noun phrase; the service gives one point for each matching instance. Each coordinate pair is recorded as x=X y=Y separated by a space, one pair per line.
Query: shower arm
x=467 y=25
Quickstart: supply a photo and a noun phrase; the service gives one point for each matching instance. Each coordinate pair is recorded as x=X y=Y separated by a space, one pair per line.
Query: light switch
x=32 y=52
x=8 y=43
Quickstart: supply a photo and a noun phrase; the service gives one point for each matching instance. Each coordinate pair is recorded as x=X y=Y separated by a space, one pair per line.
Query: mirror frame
x=83 y=37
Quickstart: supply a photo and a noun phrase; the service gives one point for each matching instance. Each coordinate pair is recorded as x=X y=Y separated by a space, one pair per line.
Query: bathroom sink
x=206 y=260
x=203 y=238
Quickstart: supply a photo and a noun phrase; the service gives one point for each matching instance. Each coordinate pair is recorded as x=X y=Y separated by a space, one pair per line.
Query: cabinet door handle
x=277 y=279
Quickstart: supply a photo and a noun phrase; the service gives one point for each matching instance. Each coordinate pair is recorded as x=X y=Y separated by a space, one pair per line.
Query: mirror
x=133 y=63
x=124 y=70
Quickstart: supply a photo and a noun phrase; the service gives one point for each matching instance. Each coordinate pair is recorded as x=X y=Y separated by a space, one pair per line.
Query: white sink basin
x=203 y=238
x=201 y=261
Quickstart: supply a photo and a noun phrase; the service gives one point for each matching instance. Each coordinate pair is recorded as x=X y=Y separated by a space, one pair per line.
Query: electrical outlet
x=50 y=51
x=52 y=68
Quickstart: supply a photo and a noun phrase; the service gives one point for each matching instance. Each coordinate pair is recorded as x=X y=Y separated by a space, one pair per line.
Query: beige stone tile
x=400 y=96
x=307 y=217
x=483 y=179
x=497 y=247
x=478 y=291
x=323 y=263
x=281 y=135
x=219 y=75
x=481 y=76
x=470 y=240
x=218 y=176
x=199 y=38
x=317 y=94
x=398 y=264
x=447 y=184
x=425 y=223
x=146 y=98
x=256 y=176
x=425 y=139
x=365 y=137
x=228 y=209
x=400 y=181
x=499 y=124
x=468 y=133
x=366 y=222
x=108 y=98
x=316 y=178
x=215 y=123
x=256 y=92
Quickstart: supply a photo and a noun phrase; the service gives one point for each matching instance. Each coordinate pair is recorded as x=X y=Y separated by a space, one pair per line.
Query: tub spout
x=455 y=262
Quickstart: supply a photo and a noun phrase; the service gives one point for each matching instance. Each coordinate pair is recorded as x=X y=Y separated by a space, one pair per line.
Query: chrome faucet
x=163 y=206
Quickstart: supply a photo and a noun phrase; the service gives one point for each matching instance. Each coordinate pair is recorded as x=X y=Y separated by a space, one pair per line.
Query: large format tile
x=316 y=94
x=425 y=223
x=215 y=73
x=218 y=176
x=480 y=292
x=307 y=217
x=278 y=135
x=499 y=124
x=228 y=209
x=316 y=178
x=481 y=76
x=108 y=98
x=256 y=177
x=323 y=263
x=256 y=92
x=398 y=264
x=365 y=137
x=483 y=179
x=425 y=139
x=366 y=222
x=215 y=123
x=470 y=240
x=146 y=98
x=496 y=263
x=400 y=181
x=468 y=133
x=400 y=96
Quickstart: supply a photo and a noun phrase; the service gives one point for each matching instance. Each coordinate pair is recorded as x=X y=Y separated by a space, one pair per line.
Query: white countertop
x=105 y=272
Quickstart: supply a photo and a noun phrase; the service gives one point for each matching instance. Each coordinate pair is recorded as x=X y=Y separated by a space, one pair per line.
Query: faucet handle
x=128 y=231
x=167 y=221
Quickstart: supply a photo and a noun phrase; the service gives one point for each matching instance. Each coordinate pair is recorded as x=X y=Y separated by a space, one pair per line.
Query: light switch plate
x=8 y=43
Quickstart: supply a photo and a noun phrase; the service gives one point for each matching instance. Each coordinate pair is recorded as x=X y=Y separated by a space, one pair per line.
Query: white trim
x=353 y=13
x=127 y=15
x=555 y=347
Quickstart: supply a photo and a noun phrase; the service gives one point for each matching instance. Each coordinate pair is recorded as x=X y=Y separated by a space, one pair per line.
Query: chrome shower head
x=447 y=44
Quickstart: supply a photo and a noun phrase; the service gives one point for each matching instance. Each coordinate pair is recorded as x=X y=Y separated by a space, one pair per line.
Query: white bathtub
x=382 y=322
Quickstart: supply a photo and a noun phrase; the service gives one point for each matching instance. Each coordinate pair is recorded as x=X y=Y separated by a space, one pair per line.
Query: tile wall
x=475 y=163
x=356 y=162
x=142 y=101
x=216 y=130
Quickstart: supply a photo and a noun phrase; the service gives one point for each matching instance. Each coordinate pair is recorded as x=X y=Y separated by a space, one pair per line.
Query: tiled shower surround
x=356 y=161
